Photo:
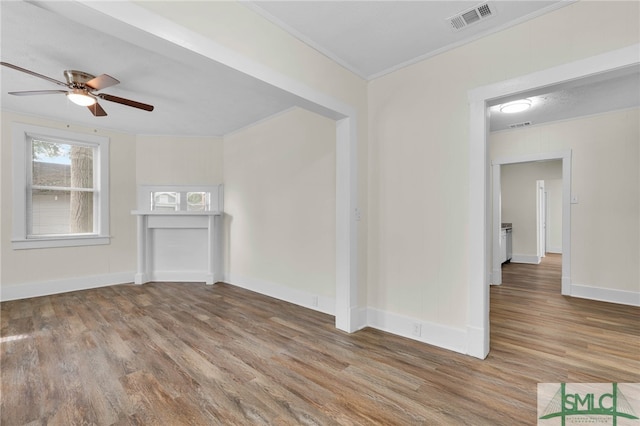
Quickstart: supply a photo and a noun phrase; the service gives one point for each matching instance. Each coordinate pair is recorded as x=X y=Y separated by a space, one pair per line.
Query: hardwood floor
x=187 y=354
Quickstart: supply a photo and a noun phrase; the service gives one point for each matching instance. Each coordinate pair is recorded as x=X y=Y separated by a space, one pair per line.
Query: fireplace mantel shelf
x=175 y=213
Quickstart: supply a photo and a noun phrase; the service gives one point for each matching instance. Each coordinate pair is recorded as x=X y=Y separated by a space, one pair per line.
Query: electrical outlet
x=417 y=329
x=314 y=301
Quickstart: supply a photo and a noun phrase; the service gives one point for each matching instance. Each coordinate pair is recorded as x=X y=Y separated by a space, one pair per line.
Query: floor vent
x=518 y=125
x=471 y=16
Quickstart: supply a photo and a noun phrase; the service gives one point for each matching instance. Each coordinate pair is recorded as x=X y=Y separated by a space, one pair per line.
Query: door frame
x=480 y=223
x=496 y=164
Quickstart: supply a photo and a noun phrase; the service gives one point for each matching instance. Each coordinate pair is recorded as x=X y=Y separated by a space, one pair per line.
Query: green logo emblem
x=589 y=406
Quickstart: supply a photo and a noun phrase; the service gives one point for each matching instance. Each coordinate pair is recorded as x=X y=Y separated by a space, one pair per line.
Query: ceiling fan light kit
x=81 y=87
x=81 y=97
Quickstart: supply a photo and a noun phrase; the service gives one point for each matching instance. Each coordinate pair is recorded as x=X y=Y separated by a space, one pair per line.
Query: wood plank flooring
x=188 y=354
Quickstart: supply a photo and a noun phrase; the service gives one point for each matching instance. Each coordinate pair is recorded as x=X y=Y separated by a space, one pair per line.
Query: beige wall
x=605 y=224
x=519 y=201
x=43 y=265
x=175 y=160
x=280 y=186
x=419 y=154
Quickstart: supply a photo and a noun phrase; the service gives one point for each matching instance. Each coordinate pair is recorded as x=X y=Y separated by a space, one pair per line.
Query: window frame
x=22 y=177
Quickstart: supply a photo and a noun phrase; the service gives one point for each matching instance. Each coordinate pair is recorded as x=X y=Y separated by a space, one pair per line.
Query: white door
x=541 y=219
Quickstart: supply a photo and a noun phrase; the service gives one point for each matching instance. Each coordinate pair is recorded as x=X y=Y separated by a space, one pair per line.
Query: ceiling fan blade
x=124 y=101
x=97 y=110
x=101 y=82
x=35 y=74
x=37 y=92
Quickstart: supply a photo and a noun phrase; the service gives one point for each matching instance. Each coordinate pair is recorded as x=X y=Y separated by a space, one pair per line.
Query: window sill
x=52 y=242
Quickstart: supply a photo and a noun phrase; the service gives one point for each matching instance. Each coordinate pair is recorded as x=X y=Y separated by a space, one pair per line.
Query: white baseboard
x=359 y=316
x=446 y=337
x=606 y=294
x=434 y=334
x=306 y=299
x=45 y=288
x=525 y=258
x=477 y=342
x=496 y=277
x=181 y=276
x=555 y=250
x=565 y=286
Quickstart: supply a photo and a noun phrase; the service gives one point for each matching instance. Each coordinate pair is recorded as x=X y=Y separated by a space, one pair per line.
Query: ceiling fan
x=82 y=89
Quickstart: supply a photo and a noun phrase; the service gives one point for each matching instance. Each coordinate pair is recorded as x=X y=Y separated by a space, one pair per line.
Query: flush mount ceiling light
x=81 y=97
x=516 y=106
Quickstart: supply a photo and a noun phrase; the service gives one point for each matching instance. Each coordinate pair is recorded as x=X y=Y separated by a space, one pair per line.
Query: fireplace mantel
x=179 y=245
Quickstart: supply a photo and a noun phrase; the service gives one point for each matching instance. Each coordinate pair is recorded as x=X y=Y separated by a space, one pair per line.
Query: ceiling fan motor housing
x=77 y=79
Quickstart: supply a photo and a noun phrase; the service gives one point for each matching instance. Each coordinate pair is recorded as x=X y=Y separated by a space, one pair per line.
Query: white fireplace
x=179 y=233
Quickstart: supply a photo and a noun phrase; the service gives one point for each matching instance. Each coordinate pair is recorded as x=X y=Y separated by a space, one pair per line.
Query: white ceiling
x=196 y=96
x=373 y=38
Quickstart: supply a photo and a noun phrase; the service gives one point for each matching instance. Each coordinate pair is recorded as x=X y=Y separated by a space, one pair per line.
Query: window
x=175 y=201
x=198 y=201
x=179 y=198
x=165 y=201
x=61 y=195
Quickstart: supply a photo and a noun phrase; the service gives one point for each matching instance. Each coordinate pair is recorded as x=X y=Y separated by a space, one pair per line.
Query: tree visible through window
x=198 y=201
x=63 y=187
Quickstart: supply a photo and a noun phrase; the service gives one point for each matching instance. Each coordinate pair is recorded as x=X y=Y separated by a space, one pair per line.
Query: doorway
x=496 y=171
x=480 y=216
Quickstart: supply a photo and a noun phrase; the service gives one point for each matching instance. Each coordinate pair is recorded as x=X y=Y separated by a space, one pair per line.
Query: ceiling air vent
x=518 y=125
x=471 y=16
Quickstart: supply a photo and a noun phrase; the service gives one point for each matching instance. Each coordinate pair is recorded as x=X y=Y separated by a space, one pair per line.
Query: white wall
x=54 y=269
x=176 y=160
x=419 y=155
x=280 y=189
x=605 y=224
x=519 y=202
